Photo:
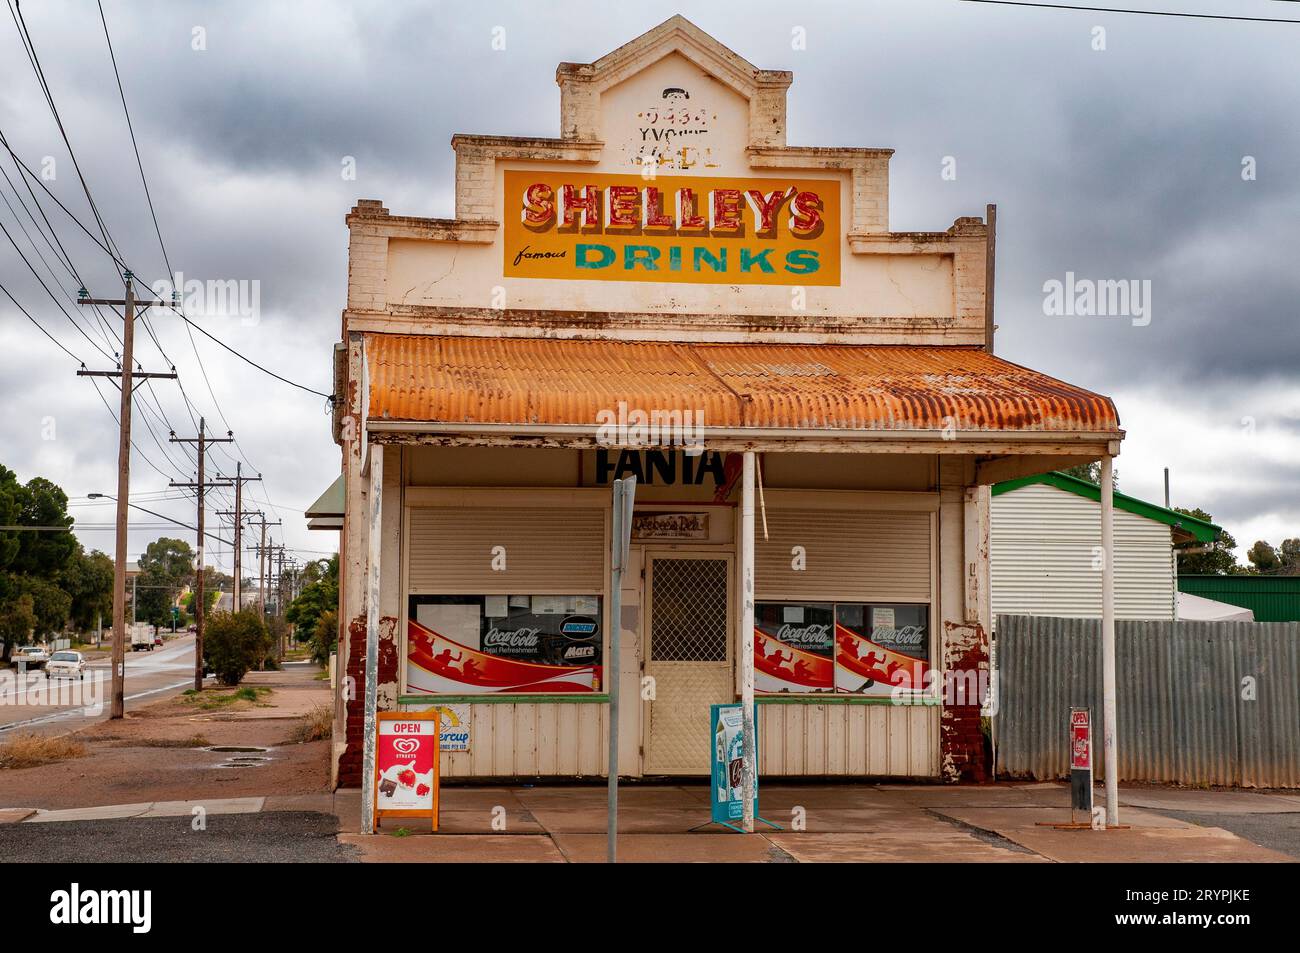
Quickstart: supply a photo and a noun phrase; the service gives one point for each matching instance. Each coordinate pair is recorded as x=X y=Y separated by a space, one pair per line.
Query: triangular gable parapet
x=582 y=83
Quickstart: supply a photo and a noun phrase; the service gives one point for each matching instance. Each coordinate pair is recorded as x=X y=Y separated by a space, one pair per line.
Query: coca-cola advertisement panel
x=485 y=644
x=794 y=647
x=880 y=647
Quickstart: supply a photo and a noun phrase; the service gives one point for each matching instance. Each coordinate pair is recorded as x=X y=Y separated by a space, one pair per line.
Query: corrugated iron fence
x=1198 y=702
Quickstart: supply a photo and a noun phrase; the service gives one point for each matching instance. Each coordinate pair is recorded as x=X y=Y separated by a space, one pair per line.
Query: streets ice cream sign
x=405 y=761
x=680 y=229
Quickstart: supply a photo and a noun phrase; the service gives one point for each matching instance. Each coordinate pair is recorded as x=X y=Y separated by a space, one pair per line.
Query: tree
x=31 y=561
x=318 y=596
x=88 y=580
x=50 y=604
x=325 y=637
x=1218 y=560
x=234 y=643
x=1289 y=553
x=166 y=567
x=40 y=503
x=17 y=620
x=1263 y=557
x=1284 y=560
x=1092 y=473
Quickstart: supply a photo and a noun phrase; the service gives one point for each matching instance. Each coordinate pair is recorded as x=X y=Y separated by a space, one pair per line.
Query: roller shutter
x=547 y=550
x=850 y=554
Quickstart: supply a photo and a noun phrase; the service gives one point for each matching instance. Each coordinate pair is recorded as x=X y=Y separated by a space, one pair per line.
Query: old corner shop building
x=748 y=281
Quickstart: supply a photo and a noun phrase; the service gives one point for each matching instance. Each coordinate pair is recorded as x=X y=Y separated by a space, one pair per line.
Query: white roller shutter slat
x=556 y=550
x=851 y=556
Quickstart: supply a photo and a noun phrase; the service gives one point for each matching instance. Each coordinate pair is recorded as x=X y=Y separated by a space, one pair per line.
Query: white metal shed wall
x=1041 y=554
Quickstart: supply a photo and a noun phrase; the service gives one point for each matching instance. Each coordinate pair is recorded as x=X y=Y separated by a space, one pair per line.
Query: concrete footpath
x=1003 y=823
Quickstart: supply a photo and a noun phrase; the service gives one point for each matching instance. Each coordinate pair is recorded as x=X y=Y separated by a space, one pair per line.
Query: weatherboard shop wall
x=519 y=736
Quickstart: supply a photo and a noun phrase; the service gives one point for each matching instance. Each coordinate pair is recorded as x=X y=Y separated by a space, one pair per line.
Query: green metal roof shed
x=1271 y=598
x=1189 y=528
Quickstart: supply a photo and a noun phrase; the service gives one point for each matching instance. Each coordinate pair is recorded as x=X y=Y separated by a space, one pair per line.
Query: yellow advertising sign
x=695 y=229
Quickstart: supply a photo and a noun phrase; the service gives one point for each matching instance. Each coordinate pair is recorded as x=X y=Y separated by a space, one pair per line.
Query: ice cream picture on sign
x=673 y=229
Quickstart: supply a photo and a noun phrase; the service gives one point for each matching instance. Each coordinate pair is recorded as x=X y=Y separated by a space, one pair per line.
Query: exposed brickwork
x=367 y=260
x=962 y=753
x=349 y=773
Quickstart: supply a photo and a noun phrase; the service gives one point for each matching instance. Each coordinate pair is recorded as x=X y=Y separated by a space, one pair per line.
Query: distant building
x=1269 y=598
x=1045 y=541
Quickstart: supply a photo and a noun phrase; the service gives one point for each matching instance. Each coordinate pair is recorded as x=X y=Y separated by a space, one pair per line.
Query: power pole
x=202 y=440
x=126 y=371
x=238 y=515
x=261 y=566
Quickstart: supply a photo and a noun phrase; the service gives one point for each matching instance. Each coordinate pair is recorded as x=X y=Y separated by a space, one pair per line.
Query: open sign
x=406 y=766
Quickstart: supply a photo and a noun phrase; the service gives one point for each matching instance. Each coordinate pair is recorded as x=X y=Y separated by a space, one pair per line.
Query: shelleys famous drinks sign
x=682 y=229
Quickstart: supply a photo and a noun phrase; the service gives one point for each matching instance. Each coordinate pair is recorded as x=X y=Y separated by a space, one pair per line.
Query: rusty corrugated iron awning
x=543 y=381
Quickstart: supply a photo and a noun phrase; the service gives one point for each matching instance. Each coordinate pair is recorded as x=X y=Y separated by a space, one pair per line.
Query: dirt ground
x=160 y=752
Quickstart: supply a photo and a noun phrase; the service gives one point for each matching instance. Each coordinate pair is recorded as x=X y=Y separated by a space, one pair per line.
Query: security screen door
x=688 y=654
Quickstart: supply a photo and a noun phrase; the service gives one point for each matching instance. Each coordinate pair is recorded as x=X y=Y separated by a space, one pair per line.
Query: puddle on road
x=241 y=757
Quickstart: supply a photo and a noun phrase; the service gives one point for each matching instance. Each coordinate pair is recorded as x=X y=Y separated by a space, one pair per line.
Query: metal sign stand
x=1080 y=744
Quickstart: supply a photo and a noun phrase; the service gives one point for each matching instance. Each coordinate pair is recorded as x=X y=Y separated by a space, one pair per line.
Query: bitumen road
x=270 y=837
x=1279 y=832
x=166 y=670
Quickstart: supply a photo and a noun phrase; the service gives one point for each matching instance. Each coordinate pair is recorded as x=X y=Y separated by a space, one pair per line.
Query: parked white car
x=34 y=655
x=66 y=664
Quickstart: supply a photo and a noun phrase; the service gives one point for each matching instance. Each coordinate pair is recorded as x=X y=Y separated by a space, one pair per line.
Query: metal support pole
x=376 y=453
x=239 y=537
x=749 y=759
x=624 y=495
x=1109 y=732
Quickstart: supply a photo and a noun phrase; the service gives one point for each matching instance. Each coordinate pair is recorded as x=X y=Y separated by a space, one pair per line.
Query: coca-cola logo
x=814 y=634
x=523 y=638
x=907 y=635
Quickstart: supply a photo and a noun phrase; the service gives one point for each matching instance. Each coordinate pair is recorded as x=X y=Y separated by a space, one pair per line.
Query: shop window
x=486 y=644
x=794 y=647
x=848 y=647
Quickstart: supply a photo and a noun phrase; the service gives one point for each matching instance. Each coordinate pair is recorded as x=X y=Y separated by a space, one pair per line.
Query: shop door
x=688 y=654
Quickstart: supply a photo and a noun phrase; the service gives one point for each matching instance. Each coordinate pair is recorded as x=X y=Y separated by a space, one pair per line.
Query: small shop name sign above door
x=654 y=526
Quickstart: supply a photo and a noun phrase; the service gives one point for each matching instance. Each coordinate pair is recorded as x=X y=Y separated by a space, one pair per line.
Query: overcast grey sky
x=1122 y=163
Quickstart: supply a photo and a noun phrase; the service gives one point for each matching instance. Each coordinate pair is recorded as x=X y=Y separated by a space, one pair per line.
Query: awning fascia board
x=993 y=443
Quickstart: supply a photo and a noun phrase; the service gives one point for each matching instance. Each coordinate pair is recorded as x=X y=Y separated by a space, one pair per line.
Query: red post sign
x=1080 y=740
x=1080 y=761
x=406 y=766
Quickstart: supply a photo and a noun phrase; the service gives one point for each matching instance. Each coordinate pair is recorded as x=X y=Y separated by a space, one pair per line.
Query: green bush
x=234 y=643
x=325 y=638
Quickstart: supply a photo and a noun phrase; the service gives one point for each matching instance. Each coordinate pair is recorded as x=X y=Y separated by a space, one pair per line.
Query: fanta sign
x=672 y=228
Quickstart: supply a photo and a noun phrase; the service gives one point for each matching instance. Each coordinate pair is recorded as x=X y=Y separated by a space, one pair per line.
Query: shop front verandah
x=972 y=419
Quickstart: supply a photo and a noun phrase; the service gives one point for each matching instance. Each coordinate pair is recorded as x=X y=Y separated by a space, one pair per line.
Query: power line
x=36 y=275
x=157 y=301
x=1147 y=13
x=61 y=253
x=45 y=261
x=38 y=324
x=16 y=12
x=134 y=145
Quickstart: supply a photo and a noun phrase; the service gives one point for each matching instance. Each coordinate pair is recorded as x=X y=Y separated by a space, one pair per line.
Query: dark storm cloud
x=1117 y=164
